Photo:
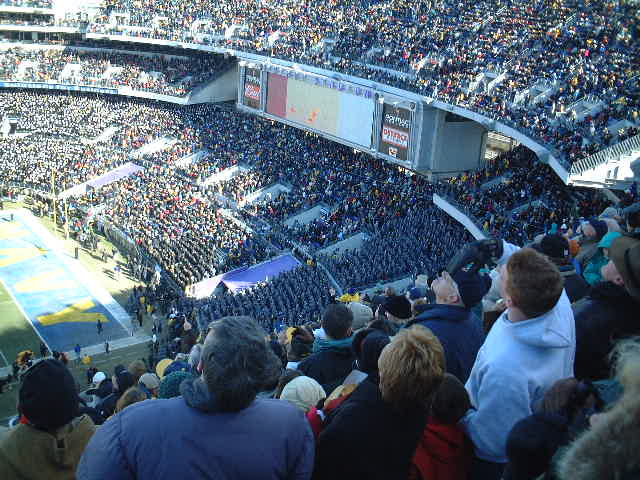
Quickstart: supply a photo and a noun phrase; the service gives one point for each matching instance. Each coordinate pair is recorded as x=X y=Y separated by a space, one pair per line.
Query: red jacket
x=444 y=453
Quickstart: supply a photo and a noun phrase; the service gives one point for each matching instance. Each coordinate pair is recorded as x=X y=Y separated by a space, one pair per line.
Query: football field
x=16 y=332
x=48 y=295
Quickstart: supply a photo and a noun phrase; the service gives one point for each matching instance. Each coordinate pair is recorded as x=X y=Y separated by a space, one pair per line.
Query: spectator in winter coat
x=529 y=347
x=444 y=451
x=374 y=433
x=121 y=381
x=556 y=248
x=451 y=320
x=610 y=312
x=332 y=357
x=50 y=439
x=237 y=435
x=367 y=345
x=592 y=232
x=592 y=273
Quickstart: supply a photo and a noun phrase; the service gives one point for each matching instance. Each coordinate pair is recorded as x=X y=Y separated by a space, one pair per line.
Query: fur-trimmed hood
x=609 y=450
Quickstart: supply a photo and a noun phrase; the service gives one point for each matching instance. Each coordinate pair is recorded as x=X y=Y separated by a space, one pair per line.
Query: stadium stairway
x=610 y=168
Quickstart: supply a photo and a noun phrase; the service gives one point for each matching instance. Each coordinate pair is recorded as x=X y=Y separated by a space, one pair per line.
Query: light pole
x=53 y=195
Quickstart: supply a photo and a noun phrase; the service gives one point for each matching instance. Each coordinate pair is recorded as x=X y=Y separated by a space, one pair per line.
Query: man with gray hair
x=217 y=428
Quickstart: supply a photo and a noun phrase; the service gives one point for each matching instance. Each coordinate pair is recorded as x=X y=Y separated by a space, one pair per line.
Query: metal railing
x=604 y=156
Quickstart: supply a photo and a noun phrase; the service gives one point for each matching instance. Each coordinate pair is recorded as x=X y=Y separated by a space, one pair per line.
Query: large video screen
x=252 y=93
x=338 y=109
x=395 y=133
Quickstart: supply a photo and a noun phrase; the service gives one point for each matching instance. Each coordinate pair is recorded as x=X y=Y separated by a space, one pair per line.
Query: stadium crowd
x=538 y=59
x=174 y=76
x=28 y=3
x=360 y=195
x=499 y=362
x=543 y=383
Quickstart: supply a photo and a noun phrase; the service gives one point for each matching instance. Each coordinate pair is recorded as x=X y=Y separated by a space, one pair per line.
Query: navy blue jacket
x=460 y=332
x=182 y=438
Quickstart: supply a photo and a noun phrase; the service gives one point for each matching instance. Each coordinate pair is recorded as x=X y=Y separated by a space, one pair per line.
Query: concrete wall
x=222 y=89
x=461 y=147
x=430 y=127
x=445 y=147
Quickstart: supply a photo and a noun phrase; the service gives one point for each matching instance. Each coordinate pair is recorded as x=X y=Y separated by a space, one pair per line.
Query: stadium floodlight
x=381 y=99
x=242 y=63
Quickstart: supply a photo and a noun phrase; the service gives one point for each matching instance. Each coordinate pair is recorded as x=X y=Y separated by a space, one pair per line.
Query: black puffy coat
x=366 y=438
x=606 y=315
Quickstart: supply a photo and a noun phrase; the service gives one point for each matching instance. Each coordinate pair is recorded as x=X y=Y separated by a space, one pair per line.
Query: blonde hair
x=137 y=368
x=129 y=397
x=412 y=368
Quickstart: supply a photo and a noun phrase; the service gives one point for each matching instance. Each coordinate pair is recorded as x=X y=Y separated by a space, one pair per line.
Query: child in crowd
x=444 y=451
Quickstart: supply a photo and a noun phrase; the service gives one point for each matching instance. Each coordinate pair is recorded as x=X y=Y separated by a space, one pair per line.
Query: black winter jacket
x=606 y=315
x=366 y=439
x=328 y=367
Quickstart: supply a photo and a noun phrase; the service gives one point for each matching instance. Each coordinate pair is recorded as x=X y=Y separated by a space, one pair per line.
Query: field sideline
x=16 y=332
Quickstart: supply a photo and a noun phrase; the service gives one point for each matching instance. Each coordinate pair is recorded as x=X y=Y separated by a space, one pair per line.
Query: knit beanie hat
x=472 y=286
x=48 y=395
x=398 y=306
x=150 y=381
x=532 y=443
x=170 y=384
x=303 y=392
x=554 y=246
x=368 y=346
x=451 y=401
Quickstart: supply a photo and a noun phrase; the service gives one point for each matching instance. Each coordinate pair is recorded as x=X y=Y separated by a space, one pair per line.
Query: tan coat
x=30 y=454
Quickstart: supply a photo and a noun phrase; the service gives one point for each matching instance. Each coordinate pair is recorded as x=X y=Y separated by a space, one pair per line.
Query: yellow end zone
x=74 y=313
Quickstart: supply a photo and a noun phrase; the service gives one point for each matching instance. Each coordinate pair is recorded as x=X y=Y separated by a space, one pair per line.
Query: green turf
x=16 y=332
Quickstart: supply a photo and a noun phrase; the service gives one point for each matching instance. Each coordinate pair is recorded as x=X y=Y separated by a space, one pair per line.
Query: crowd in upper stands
x=174 y=76
x=28 y=3
x=523 y=64
x=527 y=65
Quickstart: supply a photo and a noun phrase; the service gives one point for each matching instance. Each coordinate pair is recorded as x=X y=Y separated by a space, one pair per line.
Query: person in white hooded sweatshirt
x=530 y=346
